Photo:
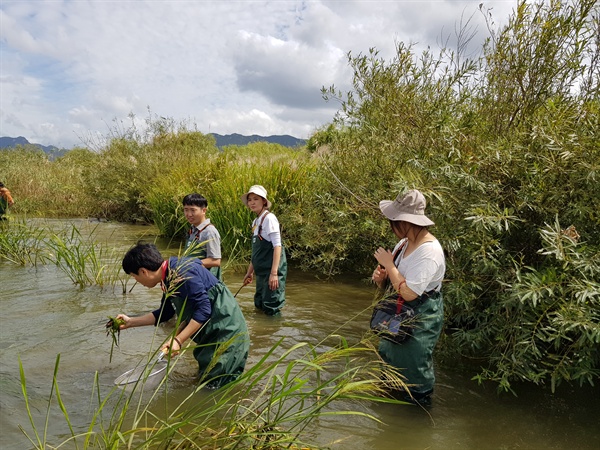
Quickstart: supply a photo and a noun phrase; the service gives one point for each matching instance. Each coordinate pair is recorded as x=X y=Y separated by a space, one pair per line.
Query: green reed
x=223 y=178
x=272 y=405
x=21 y=243
x=83 y=260
x=284 y=175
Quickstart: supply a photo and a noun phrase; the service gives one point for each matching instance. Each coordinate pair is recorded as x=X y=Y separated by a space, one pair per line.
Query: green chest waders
x=222 y=344
x=199 y=251
x=415 y=356
x=269 y=301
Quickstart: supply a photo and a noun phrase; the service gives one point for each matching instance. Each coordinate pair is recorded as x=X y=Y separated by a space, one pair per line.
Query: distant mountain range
x=222 y=141
x=238 y=139
x=10 y=142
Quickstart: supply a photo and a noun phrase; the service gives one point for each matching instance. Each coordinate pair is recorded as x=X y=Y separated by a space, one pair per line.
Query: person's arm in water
x=137 y=321
x=182 y=335
x=195 y=290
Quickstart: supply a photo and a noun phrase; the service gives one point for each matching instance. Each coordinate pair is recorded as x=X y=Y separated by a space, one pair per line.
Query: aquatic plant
x=85 y=261
x=113 y=329
x=272 y=405
x=21 y=243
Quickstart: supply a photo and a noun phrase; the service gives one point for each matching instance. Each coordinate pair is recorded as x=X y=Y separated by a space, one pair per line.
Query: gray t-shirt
x=207 y=233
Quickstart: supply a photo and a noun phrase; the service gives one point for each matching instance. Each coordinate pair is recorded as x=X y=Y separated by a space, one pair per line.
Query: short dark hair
x=195 y=200
x=142 y=255
x=1 y=184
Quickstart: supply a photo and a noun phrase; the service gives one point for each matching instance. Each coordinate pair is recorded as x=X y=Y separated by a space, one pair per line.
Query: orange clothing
x=5 y=194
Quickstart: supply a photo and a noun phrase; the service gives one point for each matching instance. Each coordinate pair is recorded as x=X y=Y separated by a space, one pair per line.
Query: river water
x=45 y=314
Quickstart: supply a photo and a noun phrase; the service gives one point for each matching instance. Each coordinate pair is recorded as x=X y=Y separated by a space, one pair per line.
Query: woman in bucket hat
x=268 y=259
x=414 y=270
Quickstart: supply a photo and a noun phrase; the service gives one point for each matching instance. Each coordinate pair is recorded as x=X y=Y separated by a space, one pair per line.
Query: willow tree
x=505 y=147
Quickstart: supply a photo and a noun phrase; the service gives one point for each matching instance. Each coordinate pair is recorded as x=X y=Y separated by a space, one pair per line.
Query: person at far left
x=6 y=200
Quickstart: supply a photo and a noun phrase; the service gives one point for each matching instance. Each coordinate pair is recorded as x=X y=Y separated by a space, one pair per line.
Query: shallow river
x=45 y=315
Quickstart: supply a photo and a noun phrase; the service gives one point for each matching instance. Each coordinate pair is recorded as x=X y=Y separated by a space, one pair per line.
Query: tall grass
x=272 y=405
x=83 y=260
x=58 y=189
x=21 y=243
x=224 y=178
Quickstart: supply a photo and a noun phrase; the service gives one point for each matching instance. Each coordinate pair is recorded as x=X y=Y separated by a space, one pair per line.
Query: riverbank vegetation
x=505 y=147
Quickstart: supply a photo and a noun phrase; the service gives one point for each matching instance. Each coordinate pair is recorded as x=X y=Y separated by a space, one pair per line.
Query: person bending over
x=207 y=312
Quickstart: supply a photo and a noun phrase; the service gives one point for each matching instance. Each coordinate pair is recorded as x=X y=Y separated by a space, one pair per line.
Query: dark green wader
x=226 y=322
x=200 y=252
x=269 y=301
x=415 y=356
x=3 y=207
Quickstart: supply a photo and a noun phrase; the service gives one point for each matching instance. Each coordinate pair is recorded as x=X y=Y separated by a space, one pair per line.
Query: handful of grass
x=113 y=328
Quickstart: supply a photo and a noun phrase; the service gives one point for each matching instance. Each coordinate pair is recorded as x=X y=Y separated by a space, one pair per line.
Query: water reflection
x=45 y=315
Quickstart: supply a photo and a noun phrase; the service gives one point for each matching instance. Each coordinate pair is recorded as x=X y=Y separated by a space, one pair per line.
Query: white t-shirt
x=424 y=268
x=270 y=228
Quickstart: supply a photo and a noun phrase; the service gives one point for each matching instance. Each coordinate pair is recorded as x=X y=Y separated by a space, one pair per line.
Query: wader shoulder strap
x=196 y=232
x=396 y=254
x=261 y=224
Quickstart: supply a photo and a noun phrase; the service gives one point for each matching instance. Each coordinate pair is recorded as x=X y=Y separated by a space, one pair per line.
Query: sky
x=74 y=72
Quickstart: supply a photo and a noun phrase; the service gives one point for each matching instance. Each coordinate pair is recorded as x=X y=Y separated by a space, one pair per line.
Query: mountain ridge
x=222 y=140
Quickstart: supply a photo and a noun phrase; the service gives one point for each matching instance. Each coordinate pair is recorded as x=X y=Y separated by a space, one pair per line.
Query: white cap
x=258 y=190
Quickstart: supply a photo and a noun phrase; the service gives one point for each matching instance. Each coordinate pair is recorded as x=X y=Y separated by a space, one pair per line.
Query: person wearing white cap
x=414 y=271
x=268 y=261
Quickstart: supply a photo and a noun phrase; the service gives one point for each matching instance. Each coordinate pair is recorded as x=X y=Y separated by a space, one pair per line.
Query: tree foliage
x=506 y=149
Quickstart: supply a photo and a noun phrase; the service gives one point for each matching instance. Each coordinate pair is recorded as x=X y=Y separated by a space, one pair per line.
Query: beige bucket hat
x=258 y=190
x=409 y=207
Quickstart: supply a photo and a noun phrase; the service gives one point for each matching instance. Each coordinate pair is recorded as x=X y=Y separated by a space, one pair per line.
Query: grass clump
x=272 y=405
x=83 y=260
x=21 y=243
x=113 y=329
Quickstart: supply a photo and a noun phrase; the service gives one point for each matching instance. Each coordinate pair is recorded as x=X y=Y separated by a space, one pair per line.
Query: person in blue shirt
x=207 y=312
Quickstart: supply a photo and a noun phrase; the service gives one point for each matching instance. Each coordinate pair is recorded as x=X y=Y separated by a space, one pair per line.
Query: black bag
x=393 y=319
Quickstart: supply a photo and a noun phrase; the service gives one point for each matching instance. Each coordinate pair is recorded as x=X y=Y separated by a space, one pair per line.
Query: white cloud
x=70 y=68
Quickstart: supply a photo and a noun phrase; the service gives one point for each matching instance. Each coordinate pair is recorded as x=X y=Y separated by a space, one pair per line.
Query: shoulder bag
x=392 y=317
